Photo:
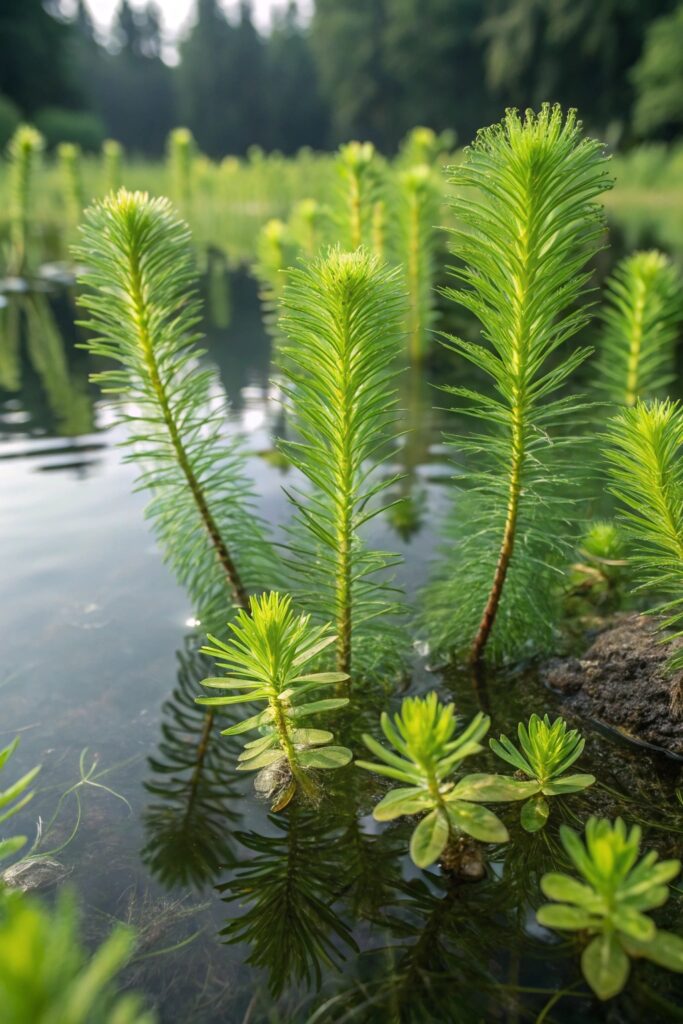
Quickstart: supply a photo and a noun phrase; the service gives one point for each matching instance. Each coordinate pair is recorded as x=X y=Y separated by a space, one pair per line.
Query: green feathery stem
x=527 y=225
x=144 y=310
x=180 y=149
x=69 y=157
x=646 y=471
x=112 y=158
x=416 y=216
x=24 y=149
x=357 y=171
x=342 y=317
x=643 y=308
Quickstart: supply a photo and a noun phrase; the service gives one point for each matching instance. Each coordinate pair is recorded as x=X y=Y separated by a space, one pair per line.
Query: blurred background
x=286 y=75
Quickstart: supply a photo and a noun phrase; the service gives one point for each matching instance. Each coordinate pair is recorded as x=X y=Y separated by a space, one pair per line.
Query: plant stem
x=356 y=229
x=635 y=344
x=237 y=587
x=344 y=506
x=414 y=334
x=298 y=774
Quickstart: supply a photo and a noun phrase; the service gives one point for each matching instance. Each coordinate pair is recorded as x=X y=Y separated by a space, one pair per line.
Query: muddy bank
x=621 y=681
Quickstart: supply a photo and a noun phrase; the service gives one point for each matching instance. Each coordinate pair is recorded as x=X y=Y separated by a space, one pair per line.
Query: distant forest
x=358 y=68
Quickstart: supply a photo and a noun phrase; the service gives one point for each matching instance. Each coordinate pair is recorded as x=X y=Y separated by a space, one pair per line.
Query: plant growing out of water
x=268 y=660
x=342 y=318
x=646 y=472
x=112 y=158
x=13 y=799
x=356 y=166
x=610 y=903
x=180 y=151
x=143 y=310
x=24 y=151
x=69 y=156
x=546 y=750
x=527 y=225
x=417 y=213
x=425 y=753
x=641 y=315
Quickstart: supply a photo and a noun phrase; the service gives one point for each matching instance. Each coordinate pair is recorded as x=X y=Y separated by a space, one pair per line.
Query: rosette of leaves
x=268 y=660
x=546 y=751
x=610 y=903
x=13 y=799
x=425 y=753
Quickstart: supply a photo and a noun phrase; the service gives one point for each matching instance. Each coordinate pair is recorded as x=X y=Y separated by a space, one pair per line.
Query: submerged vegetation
x=307 y=620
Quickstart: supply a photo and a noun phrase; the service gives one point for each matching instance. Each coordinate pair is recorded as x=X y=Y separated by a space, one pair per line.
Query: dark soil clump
x=621 y=681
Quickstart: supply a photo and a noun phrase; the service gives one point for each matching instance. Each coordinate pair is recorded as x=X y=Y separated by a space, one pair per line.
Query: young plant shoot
x=416 y=215
x=12 y=800
x=357 y=170
x=267 y=660
x=142 y=302
x=24 y=152
x=547 y=751
x=527 y=224
x=609 y=903
x=342 y=317
x=646 y=472
x=426 y=752
x=642 y=312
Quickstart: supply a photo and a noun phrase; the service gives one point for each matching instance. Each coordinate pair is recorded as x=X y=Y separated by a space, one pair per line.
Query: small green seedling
x=265 y=660
x=546 y=753
x=13 y=799
x=427 y=754
x=609 y=903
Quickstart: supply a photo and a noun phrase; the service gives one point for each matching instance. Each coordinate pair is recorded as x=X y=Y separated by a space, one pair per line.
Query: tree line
x=360 y=68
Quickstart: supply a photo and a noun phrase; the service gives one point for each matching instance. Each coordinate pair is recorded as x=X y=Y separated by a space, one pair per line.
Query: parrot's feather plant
x=24 y=152
x=610 y=903
x=425 y=753
x=546 y=750
x=646 y=471
x=268 y=660
x=342 y=320
x=527 y=223
x=141 y=297
x=416 y=214
x=357 y=190
x=641 y=316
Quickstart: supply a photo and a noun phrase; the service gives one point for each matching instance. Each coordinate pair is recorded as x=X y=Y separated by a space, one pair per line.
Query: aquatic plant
x=144 y=311
x=641 y=314
x=305 y=226
x=69 y=157
x=415 y=215
x=46 y=975
x=24 y=151
x=600 y=569
x=352 y=212
x=425 y=754
x=546 y=750
x=610 y=903
x=12 y=800
x=180 y=152
x=646 y=473
x=527 y=223
x=267 y=659
x=112 y=159
x=341 y=316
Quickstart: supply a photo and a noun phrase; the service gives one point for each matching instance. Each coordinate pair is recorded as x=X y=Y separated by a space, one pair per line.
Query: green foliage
x=69 y=156
x=341 y=316
x=13 y=799
x=601 y=571
x=357 y=170
x=267 y=658
x=643 y=308
x=425 y=754
x=46 y=975
x=646 y=473
x=610 y=903
x=414 y=220
x=547 y=751
x=181 y=151
x=24 y=151
x=112 y=158
x=527 y=225
x=143 y=307
x=658 y=77
x=79 y=127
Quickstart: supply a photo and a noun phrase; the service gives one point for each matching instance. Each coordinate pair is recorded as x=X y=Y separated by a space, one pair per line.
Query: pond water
x=243 y=916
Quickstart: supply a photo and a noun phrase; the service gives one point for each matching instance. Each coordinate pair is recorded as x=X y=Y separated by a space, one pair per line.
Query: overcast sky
x=177 y=14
